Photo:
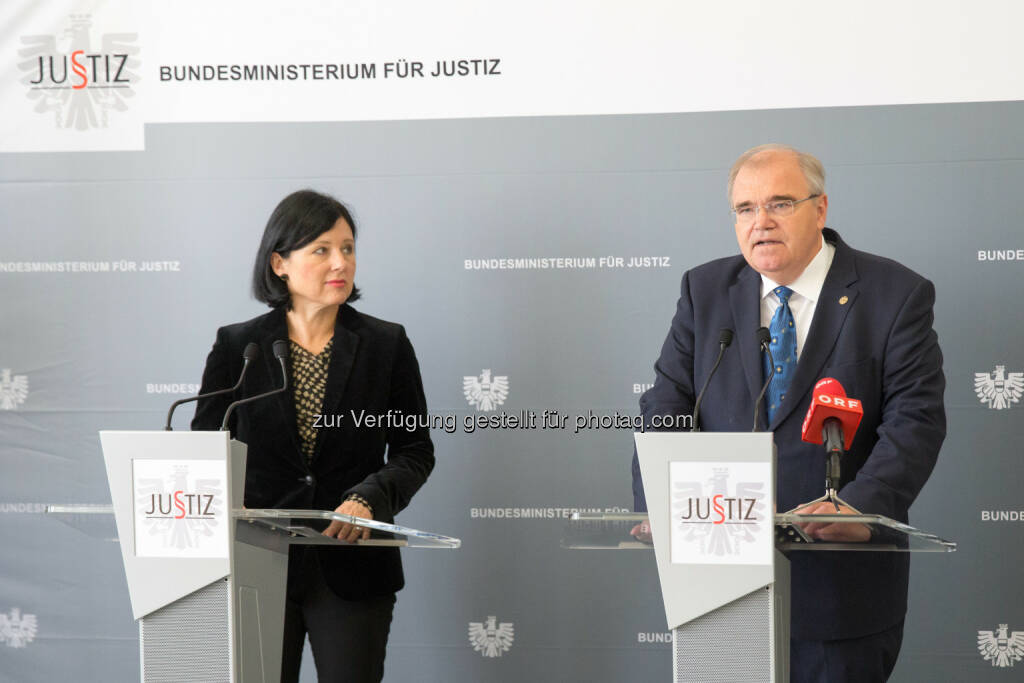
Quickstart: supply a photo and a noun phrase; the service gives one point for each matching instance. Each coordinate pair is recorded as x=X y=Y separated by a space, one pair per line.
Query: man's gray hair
x=814 y=171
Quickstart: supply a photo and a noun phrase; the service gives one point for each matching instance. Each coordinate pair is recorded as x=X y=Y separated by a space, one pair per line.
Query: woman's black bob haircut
x=299 y=219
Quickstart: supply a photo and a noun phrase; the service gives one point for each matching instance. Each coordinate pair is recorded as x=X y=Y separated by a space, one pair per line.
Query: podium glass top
x=300 y=526
x=303 y=525
x=611 y=531
x=95 y=520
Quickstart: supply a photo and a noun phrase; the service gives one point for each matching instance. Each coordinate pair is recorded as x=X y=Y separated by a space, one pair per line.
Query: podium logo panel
x=721 y=513
x=180 y=508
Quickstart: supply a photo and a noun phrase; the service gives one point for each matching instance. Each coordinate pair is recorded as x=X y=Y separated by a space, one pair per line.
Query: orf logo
x=78 y=83
x=840 y=401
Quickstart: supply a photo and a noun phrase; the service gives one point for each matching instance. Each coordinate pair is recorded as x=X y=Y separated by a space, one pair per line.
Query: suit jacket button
x=309 y=480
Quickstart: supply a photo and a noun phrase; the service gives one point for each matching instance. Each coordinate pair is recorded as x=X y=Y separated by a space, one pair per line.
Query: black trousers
x=348 y=637
x=853 y=660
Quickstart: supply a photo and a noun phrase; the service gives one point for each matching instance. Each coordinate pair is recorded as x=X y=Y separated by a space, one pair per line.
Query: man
x=833 y=312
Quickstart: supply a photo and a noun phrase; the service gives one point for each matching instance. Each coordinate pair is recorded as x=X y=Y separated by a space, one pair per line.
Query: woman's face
x=320 y=273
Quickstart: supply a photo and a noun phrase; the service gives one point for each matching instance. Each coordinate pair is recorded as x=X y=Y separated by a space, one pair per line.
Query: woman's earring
x=284 y=277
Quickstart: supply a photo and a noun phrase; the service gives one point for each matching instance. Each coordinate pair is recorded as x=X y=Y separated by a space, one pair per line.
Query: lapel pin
x=843 y=300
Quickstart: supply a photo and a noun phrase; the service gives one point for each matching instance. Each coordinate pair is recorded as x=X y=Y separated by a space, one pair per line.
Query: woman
x=342 y=363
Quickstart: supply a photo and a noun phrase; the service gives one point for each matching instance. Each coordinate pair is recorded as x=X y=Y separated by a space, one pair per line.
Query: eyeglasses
x=779 y=208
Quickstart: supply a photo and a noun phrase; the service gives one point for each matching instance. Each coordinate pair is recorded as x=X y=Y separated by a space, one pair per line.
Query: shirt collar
x=810 y=282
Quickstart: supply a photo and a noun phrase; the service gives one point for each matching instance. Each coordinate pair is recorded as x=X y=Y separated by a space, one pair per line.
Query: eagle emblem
x=490 y=638
x=13 y=390
x=485 y=392
x=17 y=630
x=999 y=389
x=1001 y=648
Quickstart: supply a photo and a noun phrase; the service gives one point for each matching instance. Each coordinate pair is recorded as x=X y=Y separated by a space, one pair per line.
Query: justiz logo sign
x=180 y=505
x=76 y=83
x=713 y=522
x=179 y=508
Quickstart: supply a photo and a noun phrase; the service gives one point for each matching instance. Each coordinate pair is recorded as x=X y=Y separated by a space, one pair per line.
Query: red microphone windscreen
x=827 y=385
x=829 y=400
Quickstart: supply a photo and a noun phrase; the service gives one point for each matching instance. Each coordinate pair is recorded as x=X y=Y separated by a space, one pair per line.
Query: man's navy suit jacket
x=872 y=331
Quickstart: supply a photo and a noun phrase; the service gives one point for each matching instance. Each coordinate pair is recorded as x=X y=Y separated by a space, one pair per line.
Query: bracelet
x=362 y=501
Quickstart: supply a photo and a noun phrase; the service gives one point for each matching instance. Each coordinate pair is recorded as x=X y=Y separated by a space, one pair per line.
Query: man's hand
x=642 y=532
x=834 y=531
x=350 y=532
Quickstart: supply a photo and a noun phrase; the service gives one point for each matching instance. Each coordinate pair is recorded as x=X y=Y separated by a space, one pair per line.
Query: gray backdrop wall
x=936 y=187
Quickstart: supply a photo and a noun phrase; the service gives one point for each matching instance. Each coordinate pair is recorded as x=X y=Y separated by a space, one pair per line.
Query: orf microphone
x=831 y=409
x=832 y=419
x=281 y=354
x=251 y=353
x=724 y=339
x=764 y=340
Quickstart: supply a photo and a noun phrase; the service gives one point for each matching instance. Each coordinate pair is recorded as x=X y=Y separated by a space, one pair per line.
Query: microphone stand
x=281 y=353
x=830 y=496
x=252 y=351
x=764 y=338
x=724 y=339
x=832 y=437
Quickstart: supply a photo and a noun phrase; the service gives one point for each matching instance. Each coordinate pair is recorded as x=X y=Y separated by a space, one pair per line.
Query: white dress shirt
x=806 y=291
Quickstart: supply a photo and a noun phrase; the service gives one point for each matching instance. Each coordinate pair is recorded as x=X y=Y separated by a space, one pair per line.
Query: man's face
x=777 y=247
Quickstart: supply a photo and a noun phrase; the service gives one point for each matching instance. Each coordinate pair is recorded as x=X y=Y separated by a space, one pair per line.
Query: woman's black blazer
x=373 y=370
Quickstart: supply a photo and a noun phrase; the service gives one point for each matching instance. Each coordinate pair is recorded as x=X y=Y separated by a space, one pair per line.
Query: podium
x=721 y=551
x=206 y=577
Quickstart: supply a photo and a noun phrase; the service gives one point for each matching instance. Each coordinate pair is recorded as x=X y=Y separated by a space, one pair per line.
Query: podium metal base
x=744 y=640
x=189 y=640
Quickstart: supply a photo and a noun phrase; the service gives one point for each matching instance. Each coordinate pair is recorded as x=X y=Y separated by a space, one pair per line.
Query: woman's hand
x=350 y=532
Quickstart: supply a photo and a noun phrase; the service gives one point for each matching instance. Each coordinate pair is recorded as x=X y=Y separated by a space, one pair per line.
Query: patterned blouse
x=309 y=375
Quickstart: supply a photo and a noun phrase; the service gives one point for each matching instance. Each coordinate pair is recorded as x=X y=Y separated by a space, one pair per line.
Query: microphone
x=832 y=419
x=724 y=339
x=251 y=353
x=764 y=340
x=281 y=354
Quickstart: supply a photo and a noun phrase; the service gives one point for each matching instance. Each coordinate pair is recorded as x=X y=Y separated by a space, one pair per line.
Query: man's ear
x=822 y=208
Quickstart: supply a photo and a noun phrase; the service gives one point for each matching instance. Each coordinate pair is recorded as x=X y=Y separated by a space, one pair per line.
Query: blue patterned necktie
x=783 y=347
